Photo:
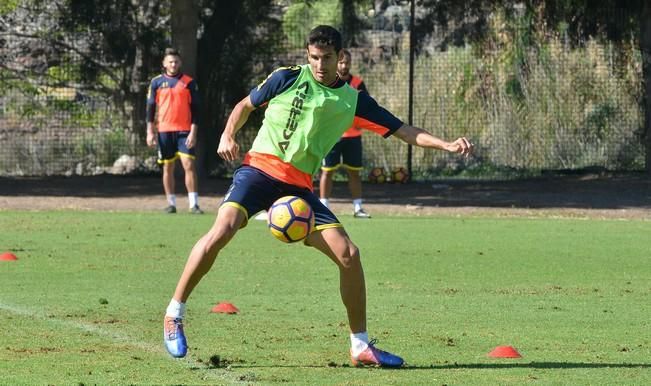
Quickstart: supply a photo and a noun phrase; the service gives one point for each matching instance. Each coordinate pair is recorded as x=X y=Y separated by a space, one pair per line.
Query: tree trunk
x=645 y=46
x=146 y=14
x=185 y=21
x=350 y=23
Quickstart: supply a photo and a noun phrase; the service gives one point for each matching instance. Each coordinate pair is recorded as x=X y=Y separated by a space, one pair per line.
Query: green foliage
x=576 y=308
x=7 y=6
x=103 y=147
x=529 y=102
x=537 y=86
x=301 y=17
x=56 y=130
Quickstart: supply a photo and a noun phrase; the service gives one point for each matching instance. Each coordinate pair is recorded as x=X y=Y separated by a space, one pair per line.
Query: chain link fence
x=552 y=105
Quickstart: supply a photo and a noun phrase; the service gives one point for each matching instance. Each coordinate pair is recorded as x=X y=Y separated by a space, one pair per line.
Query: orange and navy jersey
x=368 y=115
x=176 y=100
x=357 y=83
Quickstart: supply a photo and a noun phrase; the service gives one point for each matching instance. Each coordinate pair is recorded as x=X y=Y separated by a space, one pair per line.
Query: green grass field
x=84 y=302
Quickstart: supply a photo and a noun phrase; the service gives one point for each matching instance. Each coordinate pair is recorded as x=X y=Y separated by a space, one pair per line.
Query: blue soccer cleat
x=174 y=337
x=373 y=356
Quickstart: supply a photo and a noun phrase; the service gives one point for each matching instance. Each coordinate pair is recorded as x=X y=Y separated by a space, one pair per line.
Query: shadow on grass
x=534 y=365
x=473 y=366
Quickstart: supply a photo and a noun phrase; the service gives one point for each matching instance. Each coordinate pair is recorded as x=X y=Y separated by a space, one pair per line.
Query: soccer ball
x=290 y=219
x=399 y=175
x=377 y=176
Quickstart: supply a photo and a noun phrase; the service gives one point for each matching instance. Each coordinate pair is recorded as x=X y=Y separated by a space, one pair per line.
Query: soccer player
x=176 y=97
x=308 y=109
x=346 y=152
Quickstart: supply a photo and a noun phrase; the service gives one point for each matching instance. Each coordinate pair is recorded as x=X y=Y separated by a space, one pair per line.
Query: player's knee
x=350 y=256
x=188 y=165
x=220 y=234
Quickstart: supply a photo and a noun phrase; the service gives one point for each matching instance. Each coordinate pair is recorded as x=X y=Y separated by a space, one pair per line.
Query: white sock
x=193 y=198
x=324 y=201
x=357 y=204
x=358 y=343
x=175 y=309
x=171 y=199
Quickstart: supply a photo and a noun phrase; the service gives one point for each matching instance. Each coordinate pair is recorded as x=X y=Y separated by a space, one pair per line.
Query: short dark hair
x=346 y=53
x=172 y=51
x=324 y=35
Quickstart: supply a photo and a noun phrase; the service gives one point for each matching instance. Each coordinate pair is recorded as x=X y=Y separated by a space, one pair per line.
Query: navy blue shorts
x=171 y=145
x=346 y=152
x=253 y=190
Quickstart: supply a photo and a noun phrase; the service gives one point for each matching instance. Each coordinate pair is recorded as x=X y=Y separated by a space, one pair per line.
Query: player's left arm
x=422 y=138
x=371 y=116
x=191 y=140
x=362 y=87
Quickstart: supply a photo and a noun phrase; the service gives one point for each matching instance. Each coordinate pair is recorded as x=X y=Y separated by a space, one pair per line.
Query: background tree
x=234 y=50
x=103 y=53
x=128 y=37
x=645 y=46
x=351 y=25
x=185 y=23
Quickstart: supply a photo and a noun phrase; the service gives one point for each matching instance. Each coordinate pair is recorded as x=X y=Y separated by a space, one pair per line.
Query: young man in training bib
x=308 y=109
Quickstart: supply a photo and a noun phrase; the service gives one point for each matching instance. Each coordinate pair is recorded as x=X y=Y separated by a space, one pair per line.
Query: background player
x=346 y=152
x=173 y=99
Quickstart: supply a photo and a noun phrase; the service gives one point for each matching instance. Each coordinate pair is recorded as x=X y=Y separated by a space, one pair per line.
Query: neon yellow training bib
x=303 y=123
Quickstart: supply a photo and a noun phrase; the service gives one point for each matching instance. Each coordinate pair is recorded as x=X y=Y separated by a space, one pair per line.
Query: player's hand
x=228 y=149
x=191 y=140
x=462 y=146
x=151 y=139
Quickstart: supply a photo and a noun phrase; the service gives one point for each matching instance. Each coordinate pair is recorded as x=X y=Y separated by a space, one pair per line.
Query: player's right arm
x=151 y=112
x=276 y=83
x=228 y=148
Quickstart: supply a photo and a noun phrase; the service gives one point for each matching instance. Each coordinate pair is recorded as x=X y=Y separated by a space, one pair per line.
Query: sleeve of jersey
x=362 y=87
x=151 y=101
x=195 y=102
x=371 y=116
x=275 y=84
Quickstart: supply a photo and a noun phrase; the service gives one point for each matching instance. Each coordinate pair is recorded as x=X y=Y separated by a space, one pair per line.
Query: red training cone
x=225 y=308
x=504 y=352
x=8 y=256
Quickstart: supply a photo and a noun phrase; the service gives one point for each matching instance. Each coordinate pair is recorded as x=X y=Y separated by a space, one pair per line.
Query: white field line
x=113 y=336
